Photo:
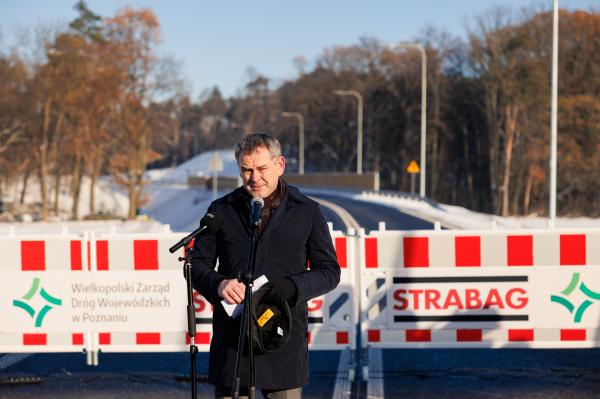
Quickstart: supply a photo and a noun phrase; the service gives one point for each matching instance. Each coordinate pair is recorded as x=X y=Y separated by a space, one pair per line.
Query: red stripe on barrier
x=572 y=335
x=371 y=257
x=77 y=338
x=520 y=250
x=147 y=338
x=308 y=337
x=416 y=251
x=340 y=250
x=35 y=339
x=104 y=338
x=203 y=338
x=374 y=336
x=342 y=337
x=467 y=251
x=572 y=249
x=145 y=254
x=102 y=255
x=76 y=261
x=520 y=335
x=418 y=335
x=33 y=255
x=469 y=335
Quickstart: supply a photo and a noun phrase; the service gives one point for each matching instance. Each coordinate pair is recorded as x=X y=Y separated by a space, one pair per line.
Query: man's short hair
x=252 y=141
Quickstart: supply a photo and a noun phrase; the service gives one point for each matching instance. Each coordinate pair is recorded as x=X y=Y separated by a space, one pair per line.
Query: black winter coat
x=295 y=234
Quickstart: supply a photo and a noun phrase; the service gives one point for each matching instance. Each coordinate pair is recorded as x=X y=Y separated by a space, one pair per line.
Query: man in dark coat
x=294 y=251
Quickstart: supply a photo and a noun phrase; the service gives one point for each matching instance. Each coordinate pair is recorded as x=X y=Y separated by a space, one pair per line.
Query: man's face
x=260 y=171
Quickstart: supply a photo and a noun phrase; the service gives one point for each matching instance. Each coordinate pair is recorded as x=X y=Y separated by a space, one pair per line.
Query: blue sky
x=217 y=40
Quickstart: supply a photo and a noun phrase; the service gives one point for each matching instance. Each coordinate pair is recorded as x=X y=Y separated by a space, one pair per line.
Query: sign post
x=413 y=169
x=215 y=165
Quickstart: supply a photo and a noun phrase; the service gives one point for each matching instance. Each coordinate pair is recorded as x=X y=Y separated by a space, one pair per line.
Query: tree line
x=101 y=101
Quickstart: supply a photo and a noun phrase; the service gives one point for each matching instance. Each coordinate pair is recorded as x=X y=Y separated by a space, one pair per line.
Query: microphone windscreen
x=212 y=222
x=259 y=200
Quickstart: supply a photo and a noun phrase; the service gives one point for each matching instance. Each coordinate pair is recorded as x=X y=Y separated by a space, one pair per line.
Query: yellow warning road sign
x=413 y=167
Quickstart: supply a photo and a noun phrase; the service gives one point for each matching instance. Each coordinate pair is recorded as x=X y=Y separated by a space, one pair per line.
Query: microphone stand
x=210 y=222
x=246 y=324
x=191 y=319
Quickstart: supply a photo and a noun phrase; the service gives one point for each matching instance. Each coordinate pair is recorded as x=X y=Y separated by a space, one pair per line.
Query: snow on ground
x=461 y=218
x=197 y=166
x=181 y=208
x=79 y=227
x=107 y=200
x=172 y=202
x=176 y=206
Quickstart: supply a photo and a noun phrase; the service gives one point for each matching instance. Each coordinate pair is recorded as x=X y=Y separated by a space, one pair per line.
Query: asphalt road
x=368 y=215
x=492 y=373
x=143 y=376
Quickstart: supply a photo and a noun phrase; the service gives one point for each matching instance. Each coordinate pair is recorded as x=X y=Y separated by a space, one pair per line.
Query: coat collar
x=240 y=194
x=295 y=194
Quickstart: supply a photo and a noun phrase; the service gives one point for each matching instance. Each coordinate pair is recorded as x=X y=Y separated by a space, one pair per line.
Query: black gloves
x=287 y=289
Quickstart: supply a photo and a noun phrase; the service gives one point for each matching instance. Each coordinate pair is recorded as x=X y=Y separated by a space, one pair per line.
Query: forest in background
x=96 y=98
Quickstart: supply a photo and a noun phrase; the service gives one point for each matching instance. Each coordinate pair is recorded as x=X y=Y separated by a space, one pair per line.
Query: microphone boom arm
x=187 y=239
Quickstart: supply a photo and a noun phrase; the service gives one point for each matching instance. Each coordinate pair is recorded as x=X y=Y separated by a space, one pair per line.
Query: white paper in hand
x=234 y=309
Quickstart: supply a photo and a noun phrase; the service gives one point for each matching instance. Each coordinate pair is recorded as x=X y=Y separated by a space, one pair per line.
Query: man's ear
x=280 y=166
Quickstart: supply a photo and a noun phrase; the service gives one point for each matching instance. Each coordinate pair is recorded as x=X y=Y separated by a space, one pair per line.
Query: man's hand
x=232 y=291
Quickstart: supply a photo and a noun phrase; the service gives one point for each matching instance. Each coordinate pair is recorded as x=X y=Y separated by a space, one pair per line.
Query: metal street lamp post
x=423 y=112
x=359 y=141
x=300 y=118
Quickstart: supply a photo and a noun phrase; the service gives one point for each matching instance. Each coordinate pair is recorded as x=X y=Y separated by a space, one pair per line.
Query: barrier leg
x=352 y=365
x=365 y=364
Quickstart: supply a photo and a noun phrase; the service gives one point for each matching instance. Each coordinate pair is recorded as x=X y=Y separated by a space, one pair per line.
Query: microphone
x=210 y=222
x=256 y=206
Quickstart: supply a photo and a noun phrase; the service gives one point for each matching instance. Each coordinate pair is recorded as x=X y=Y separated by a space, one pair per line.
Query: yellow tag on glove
x=265 y=317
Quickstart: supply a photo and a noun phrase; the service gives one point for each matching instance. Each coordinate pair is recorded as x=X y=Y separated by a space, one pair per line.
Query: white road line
x=343 y=385
x=343 y=214
x=375 y=382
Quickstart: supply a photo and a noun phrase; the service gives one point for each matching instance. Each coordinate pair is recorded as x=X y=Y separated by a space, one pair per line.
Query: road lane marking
x=343 y=385
x=375 y=380
x=343 y=214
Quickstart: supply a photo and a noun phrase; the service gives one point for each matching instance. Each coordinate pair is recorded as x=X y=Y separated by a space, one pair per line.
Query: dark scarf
x=271 y=204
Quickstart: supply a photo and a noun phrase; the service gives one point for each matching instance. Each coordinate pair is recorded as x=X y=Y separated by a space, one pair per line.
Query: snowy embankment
x=172 y=204
x=181 y=207
x=461 y=218
x=107 y=200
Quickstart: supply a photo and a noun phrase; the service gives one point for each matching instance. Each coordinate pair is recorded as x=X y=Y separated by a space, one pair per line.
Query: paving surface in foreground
x=148 y=376
x=492 y=373
x=406 y=373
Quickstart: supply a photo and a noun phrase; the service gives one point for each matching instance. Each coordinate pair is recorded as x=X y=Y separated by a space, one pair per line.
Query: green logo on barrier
x=569 y=305
x=50 y=300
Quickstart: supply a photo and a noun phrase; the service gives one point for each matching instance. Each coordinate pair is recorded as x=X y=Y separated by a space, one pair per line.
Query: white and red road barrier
x=126 y=293
x=28 y=319
x=332 y=318
x=536 y=288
